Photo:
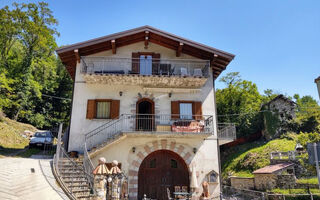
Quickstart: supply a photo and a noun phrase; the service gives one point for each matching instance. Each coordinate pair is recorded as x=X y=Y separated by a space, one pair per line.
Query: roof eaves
x=145 y=28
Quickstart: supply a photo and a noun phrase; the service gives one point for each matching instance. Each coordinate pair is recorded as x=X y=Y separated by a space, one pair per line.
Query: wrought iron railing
x=61 y=158
x=227 y=131
x=192 y=124
x=167 y=67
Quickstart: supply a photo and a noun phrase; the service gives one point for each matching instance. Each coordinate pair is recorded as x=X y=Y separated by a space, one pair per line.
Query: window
x=174 y=164
x=153 y=163
x=103 y=110
x=185 y=110
x=146 y=65
x=212 y=177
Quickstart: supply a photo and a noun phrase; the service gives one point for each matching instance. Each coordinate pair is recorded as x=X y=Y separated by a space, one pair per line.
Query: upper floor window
x=146 y=64
x=185 y=110
x=103 y=109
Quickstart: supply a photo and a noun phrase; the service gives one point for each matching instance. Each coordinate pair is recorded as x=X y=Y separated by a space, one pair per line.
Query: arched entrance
x=145 y=117
x=160 y=170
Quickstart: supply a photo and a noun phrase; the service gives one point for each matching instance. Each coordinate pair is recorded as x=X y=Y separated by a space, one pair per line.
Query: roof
x=219 y=59
x=317 y=79
x=281 y=96
x=272 y=168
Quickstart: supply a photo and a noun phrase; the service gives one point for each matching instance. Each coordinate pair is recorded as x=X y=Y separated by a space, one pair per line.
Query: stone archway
x=159 y=171
x=136 y=159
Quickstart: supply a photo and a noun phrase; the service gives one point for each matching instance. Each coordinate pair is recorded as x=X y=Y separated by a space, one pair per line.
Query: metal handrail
x=120 y=65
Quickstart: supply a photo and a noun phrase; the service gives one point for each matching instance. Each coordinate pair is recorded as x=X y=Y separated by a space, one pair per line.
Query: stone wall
x=265 y=181
x=286 y=181
x=242 y=183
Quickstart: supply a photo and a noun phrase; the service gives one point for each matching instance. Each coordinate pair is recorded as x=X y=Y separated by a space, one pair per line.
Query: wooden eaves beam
x=76 y=53
x=178 y=53
x=113 y=44
x=146 y=39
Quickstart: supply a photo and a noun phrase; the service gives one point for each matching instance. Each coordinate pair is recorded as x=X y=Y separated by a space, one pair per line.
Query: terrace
x=146 y=71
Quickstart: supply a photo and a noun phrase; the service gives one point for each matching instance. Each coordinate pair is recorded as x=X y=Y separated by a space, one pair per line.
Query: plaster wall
x=83 y=91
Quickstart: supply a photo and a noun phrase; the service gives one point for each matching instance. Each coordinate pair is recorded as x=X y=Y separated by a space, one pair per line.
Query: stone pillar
x=100 y=173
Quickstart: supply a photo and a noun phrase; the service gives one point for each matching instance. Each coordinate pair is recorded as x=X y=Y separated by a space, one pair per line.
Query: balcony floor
x=146 y=80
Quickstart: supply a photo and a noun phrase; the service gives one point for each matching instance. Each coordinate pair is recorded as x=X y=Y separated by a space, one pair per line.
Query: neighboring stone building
x=272 y=176
x=317 y=81
x=277 y=113
x=146 y=98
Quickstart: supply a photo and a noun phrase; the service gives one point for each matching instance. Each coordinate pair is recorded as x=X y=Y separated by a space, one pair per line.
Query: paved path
x=18 y=182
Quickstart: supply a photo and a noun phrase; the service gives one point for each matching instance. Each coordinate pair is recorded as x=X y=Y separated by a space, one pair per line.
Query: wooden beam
x=178 y=53
x=76 y=53
x=146 y=40
x=113 y=44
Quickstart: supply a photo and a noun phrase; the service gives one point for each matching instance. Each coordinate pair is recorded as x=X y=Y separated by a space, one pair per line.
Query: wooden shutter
x=91 y=109
x=155 y=63
x=114 y=109
x=135 y=63
x=175 y=110
x=197 y=110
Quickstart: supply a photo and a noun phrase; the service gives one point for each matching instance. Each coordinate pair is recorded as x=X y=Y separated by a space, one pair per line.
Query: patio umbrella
x=194 y=180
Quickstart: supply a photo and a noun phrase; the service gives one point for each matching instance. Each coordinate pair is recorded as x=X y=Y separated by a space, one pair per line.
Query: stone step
x=76 y=181
x=83 y=196
x=73 y=179
x=81 y=191
x=76 y=185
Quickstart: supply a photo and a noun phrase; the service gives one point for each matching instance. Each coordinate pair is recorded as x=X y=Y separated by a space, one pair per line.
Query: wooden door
x=161 y=170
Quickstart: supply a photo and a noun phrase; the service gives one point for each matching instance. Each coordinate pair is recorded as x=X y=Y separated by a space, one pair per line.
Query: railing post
x=58 y=145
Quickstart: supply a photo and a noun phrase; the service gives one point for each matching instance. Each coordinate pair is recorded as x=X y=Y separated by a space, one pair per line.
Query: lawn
x=295 y=191
x=251 y=156
x=311 y=180
x=10 y=139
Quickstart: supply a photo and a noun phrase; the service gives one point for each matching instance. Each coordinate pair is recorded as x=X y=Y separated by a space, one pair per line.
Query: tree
x=30 y=68
x=239 y=103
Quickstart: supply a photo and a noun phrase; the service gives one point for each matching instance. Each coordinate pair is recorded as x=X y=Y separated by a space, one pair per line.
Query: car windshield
x=42 y=134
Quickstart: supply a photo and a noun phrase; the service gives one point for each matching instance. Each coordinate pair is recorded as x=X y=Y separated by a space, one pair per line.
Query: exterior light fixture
x=170 y=94
x=194 y=150
x=120 y=93
x=133 y=149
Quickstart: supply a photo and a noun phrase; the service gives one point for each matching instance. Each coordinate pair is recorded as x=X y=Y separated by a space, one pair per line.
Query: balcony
x=175 y=125
x=158 y=73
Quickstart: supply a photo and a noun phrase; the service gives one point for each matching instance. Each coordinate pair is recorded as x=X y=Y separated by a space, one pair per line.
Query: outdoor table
x=185 y=195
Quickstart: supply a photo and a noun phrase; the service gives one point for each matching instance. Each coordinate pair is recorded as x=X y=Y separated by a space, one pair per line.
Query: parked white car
x=41 y=139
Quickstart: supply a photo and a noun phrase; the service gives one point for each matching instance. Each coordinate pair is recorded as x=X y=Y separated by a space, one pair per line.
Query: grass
x=295 y=191
x=311 y=180
x=10 y=138
x=28 y=153
x=251 y=156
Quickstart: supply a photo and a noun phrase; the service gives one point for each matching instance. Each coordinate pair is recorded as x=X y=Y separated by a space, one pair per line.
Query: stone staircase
x=74 y=178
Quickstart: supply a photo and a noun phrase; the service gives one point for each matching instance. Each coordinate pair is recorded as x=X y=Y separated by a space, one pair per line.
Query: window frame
x=102 y=100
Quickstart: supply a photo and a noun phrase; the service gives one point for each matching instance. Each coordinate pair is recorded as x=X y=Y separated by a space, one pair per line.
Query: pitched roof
x=281 y=96
x=272 y=168
x=219 y=59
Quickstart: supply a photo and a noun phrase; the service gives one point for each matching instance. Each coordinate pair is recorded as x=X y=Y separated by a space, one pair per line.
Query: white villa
x=146 y=98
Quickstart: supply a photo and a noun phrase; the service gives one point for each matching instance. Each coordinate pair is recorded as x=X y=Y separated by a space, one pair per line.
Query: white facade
x=200 y=152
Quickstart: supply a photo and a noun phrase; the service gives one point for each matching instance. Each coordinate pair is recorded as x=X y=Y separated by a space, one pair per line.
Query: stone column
x=100 y=173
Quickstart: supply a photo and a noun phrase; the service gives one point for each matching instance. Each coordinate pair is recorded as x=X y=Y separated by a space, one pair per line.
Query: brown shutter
x=155 y=63
x=197 y=110
x=114 y=109
x=175 y=110
x=135 y=63
x=91 y=109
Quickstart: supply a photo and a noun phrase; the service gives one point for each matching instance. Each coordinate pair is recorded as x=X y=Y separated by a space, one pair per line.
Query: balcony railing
x=131 y=66
x=162 y=124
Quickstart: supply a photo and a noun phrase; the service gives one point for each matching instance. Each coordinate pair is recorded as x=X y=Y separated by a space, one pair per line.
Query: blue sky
x=276 y=43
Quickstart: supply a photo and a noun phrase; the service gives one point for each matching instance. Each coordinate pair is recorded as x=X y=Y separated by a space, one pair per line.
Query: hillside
x=10 y=138
x=242 y=160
